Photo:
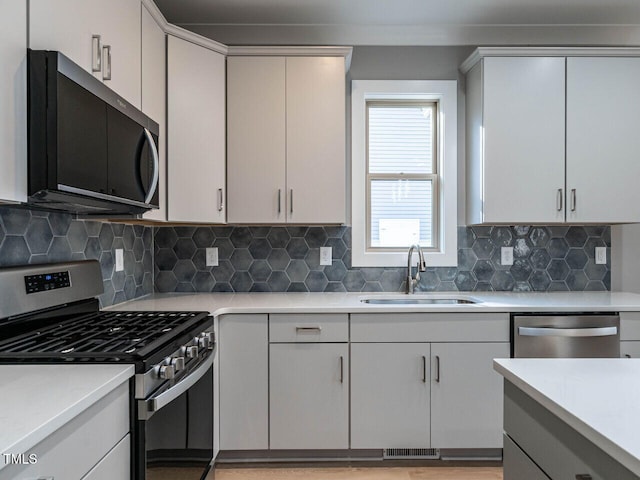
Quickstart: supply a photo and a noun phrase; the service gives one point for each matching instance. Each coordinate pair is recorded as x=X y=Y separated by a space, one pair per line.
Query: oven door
x=176 y=438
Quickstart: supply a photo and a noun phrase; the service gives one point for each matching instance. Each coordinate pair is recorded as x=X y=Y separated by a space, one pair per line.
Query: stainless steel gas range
x=49 y=314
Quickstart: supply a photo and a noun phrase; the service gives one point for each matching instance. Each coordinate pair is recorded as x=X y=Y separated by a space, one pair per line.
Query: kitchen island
x=571 y=418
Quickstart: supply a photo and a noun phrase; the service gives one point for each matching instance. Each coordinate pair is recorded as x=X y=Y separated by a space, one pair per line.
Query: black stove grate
x=118 y=334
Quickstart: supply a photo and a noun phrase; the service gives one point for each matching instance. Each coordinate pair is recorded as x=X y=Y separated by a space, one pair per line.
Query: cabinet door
x=466 y=395
x=630 y=349
x=603 y=101
x=116 y=465
x=119 y=25
x=315 y=140
x=68 y=26
x=390 y=395
x=309 y=396
x=256 y=139
x=244 y=385
x=523 y=120
x=196 y=130
x=154 y=90
x=13 y=98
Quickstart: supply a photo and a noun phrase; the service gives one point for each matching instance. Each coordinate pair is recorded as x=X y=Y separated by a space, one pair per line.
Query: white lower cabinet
x=309 y=396
x=466 y=395
x=390 y=387
x=244 y=382
x=630 y=349
x=78 y=449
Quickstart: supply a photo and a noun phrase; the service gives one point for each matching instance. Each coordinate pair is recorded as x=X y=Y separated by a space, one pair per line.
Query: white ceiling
x=409 y=22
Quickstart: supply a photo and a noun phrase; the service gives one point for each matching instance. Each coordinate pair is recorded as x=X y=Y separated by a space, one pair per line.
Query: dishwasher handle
x=567 y=332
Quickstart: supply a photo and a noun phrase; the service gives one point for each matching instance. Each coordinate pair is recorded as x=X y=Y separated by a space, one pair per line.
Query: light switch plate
x=506 y=256
x=119 y=259
x=325 y=256
x=212 y=257
x=601 y=255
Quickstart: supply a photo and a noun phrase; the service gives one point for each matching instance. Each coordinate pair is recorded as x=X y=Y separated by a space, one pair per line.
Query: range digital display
x=46 y=281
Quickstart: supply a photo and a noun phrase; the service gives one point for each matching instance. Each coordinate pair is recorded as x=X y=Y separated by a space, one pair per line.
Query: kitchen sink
x=417 y=300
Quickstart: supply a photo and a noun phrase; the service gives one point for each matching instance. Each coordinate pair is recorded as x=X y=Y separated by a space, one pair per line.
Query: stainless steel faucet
x=421 y=267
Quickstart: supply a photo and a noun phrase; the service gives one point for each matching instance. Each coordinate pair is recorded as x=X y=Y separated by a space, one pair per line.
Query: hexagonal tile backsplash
x=32 y=236
x=280 y=259
x=287 y=259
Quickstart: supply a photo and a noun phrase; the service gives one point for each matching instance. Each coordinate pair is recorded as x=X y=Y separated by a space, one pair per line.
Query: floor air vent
x=411 y=453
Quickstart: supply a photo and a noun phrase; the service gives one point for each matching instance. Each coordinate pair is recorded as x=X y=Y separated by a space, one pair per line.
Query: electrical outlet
x=212 y=257
x=119 y=259
x=325 y=256
x=601 y=255
x=506 y=256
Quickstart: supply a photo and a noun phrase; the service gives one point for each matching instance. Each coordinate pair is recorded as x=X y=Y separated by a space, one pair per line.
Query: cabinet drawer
x=629 y=325
x=517 y=465
x=116 y=465
x=74 y=449
x=430 y=327
x=289 y=328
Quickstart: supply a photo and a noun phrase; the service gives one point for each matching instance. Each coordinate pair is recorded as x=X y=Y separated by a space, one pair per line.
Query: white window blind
x=402 y=181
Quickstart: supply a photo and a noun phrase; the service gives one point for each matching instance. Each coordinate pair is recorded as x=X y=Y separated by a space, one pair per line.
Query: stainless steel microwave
x=90 y=152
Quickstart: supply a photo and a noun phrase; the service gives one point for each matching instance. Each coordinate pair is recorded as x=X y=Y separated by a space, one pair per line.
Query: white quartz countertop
x=221 y=303
x=599 y=398
x=36 y=400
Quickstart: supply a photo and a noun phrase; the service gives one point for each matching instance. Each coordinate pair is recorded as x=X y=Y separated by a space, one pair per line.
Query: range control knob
x=192 y=351
x=203 y=342
x=166 y=372
x=177 y=363
x=211 y=338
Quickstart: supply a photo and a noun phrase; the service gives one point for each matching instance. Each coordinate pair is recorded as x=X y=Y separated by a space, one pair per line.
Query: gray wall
x=412 y=63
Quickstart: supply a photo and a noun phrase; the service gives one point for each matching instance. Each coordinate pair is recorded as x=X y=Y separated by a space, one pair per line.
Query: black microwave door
x=128 y=175
x=81 y=138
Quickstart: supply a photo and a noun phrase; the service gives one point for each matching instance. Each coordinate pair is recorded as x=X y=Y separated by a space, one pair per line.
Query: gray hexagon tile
x=281 y=258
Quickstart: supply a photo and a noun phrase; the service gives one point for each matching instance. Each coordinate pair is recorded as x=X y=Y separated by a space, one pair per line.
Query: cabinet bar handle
x=437 y=369
x=567 y=332
x=626 y=355
x=308 y=329
x=559 y=200
x=279 y=201
x=106 y=72
x=45 y=478
x=220 y=200
x=291 y=203
x=341 y=369
x=424 y=369
x=584 y=476
x=573 y=200
x=96 y=53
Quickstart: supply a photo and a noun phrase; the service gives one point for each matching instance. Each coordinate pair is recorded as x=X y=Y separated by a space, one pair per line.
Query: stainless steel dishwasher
x=566 y=335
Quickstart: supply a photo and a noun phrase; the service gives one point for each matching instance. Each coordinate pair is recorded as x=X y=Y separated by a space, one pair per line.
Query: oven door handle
x=567 y=332
x=146 y=408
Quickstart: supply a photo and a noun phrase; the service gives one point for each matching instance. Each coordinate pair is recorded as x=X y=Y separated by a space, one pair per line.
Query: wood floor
x=360 y=473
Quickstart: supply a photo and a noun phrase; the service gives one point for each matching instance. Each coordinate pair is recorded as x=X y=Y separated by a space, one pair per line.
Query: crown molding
x=288 y=51
x=481 y=52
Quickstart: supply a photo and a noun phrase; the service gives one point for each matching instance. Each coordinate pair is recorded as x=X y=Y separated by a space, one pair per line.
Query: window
x=402 y=178
x=404 y=163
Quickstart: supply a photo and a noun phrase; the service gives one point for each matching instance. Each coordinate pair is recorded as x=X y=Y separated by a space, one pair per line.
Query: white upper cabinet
x=316 y=140
x=13 y=98
x=154 y=89
x=551 y=135
x=256 y=149
x=603 y=140
x=518 y=140
x=286 y=139
x=196 y=133
x=69 y=27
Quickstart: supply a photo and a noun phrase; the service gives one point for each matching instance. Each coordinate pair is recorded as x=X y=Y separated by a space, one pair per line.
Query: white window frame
x=445 y=93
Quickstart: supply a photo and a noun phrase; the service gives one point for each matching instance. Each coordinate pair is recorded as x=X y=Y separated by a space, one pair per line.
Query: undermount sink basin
x=411 y=300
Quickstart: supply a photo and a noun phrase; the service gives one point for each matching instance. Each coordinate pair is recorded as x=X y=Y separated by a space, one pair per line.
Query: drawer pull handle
x=583 y=476
x=46 y=478
x=437 y=369
x=424 y=369
x=308 y=330
x=341 y=369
